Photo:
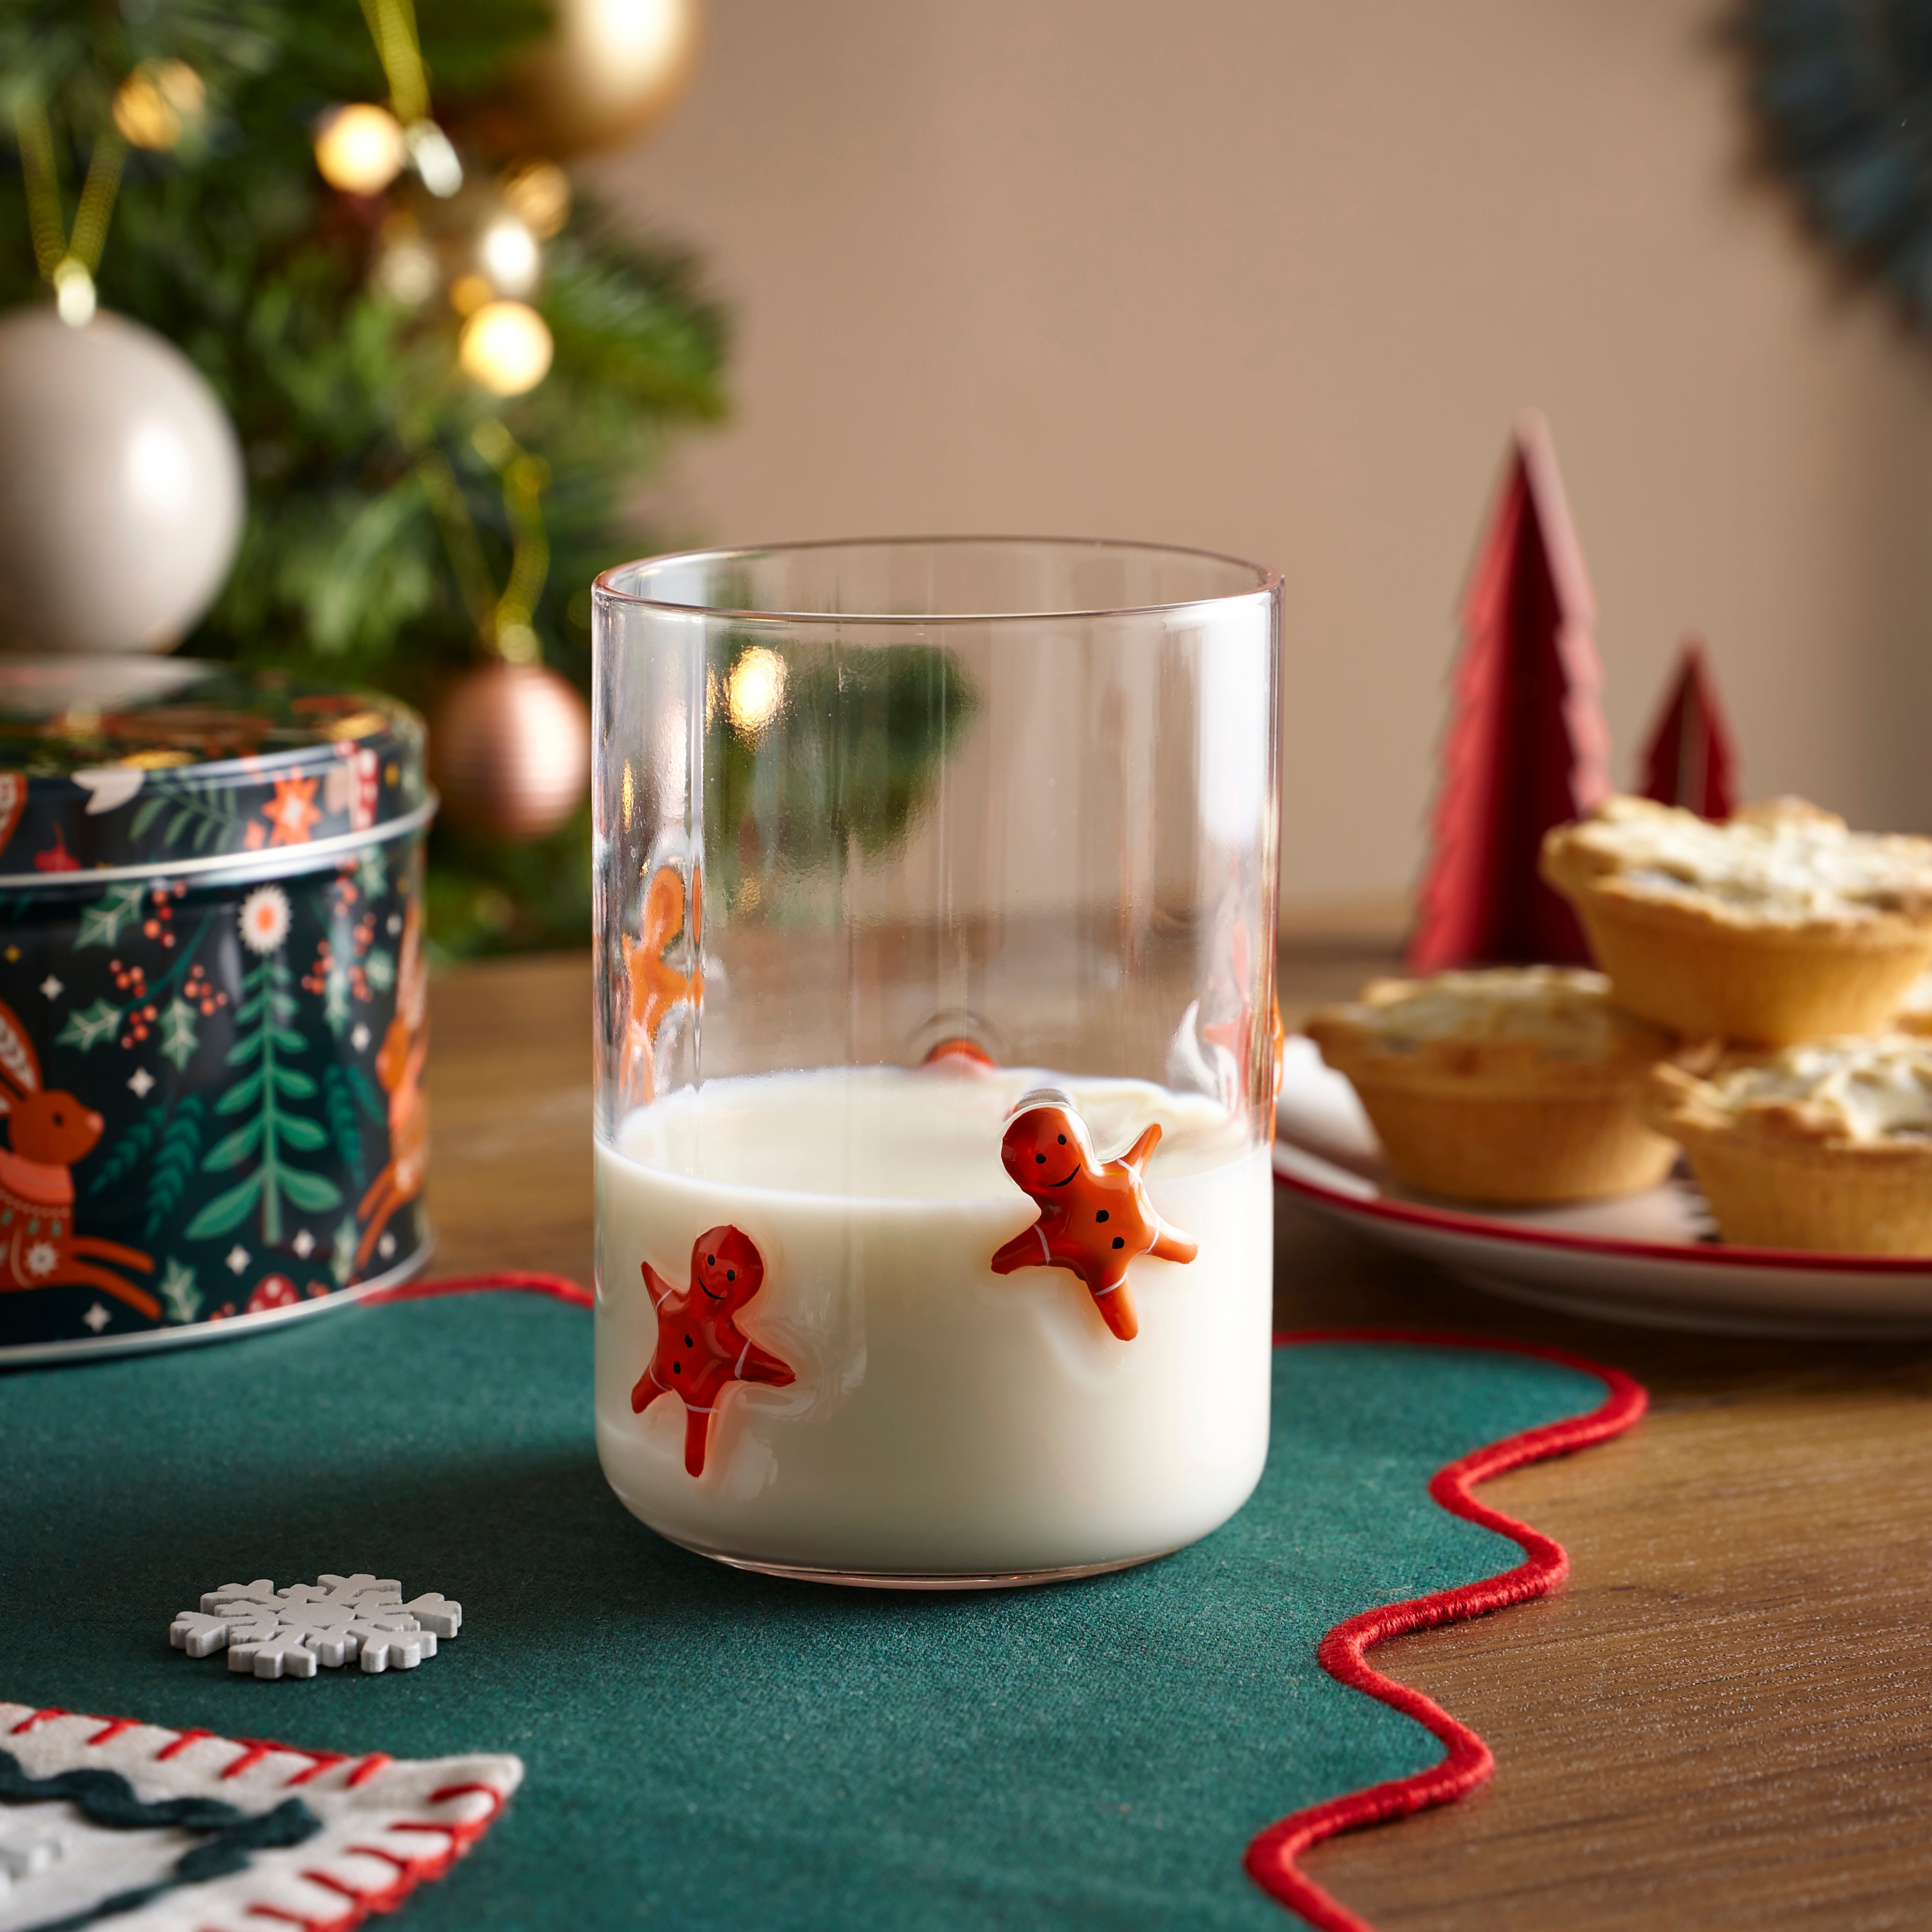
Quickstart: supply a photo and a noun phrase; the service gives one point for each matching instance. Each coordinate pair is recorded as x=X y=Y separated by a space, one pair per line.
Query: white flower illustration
x=265 y=918
x=42 y=1259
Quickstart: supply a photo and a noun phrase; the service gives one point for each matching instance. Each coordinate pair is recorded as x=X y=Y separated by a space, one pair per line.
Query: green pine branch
x=233 y=248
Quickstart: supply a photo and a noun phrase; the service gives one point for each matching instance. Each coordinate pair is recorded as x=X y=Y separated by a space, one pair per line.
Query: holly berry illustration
x=701 y=1349
x=1094 y=1216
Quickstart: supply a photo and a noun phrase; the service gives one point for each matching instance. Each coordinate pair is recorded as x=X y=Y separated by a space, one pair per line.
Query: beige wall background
x=1275 y=276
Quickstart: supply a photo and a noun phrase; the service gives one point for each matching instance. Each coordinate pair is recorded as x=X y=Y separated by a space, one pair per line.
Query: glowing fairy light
x=756 y=690
x=506 y=348
x=510 y=257
x=155 y=104
x=360 y=149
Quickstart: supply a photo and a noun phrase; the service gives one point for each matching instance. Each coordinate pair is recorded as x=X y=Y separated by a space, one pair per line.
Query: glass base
x=894 y=1580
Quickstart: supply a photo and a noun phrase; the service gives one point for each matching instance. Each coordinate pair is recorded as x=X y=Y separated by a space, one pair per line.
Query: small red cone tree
x=1526 y=747
x=1690 y=760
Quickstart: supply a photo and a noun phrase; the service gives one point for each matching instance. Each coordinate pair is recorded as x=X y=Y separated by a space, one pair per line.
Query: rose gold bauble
x=509 y=749
x=608 y=69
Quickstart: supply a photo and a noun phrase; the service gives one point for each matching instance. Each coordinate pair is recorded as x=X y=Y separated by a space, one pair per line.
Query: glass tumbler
x=935 y=917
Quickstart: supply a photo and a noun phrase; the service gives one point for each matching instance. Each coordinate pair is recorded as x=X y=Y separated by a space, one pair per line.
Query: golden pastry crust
x=1914 y=1014
x=1776 y=926
x=1825 y=1147
x=1512 y=1086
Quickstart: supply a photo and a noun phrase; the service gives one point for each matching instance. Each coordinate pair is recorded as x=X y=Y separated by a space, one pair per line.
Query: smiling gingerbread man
x=1094 y=1217
x=701 y=1350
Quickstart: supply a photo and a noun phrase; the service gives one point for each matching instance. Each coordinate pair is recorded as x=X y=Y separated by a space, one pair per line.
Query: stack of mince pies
x=1764 y=1006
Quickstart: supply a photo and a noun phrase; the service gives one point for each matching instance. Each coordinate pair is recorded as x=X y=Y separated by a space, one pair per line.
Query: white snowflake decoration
x=334 y=1621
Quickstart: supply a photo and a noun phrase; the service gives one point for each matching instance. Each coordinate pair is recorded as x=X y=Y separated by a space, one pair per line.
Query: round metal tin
x=212 y=1025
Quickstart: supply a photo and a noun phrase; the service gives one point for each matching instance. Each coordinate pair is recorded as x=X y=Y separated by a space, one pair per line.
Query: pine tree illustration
x=269 y=1087
x=1527 y=746
x=175 y=1162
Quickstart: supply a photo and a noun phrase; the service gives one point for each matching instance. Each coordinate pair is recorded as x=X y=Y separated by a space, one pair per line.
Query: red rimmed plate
x=1650 y=1258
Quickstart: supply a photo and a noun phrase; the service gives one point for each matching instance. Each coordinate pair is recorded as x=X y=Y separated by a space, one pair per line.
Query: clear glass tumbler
x=935 y=1031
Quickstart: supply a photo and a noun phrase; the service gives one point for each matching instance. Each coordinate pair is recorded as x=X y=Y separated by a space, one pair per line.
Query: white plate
x=1650 y=1258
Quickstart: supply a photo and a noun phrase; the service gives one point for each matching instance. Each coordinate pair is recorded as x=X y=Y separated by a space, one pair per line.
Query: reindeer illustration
x=47 y=1133
x=399 y=1066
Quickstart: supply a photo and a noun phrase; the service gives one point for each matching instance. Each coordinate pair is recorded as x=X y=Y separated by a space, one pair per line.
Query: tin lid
x=163 y=765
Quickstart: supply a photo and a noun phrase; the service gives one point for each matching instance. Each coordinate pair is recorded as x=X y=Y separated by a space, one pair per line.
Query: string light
x=468 y=293
x=405 y=268
x=510 y=257
x=360 y=149
x=155 y=104
x=506 y=348
x=433 y=157
x=538 y=195
x=756 y=690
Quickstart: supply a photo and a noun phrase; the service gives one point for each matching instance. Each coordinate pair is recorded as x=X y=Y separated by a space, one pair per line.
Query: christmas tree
x=1689 y=760
x=1527 y=746
x=424 y=495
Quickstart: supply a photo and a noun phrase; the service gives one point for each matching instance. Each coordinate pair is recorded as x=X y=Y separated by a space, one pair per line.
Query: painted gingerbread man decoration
x=701 y=1350
x=656 y=986
x=1094 y=1216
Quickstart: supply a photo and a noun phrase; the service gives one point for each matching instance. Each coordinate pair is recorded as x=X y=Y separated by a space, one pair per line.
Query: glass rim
x=1267 y=584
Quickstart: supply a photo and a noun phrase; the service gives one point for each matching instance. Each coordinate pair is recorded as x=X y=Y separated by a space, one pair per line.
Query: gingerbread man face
x=1095 y=1217
x=727 y=1267
x=1044 y=1148
x=701 y=1349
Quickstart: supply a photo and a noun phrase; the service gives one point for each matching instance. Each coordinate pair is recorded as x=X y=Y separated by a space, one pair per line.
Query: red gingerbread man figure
x=1094 y=1217
x=701 y=1349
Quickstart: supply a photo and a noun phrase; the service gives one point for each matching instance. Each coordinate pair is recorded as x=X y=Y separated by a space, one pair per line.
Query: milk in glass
x=943 y=1421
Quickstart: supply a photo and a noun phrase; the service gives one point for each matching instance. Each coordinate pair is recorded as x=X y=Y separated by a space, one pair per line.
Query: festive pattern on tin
x=248 y=1045
x=253 y=1055
x=168 y=761
x=47 y=1132
x=399 y=1067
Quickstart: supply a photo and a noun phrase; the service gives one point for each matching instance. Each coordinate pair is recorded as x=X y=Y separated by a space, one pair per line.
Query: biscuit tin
x=212 y=1001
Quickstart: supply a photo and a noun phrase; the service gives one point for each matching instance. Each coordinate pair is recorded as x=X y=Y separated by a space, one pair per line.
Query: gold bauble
x=607 y=70
x=509 y=749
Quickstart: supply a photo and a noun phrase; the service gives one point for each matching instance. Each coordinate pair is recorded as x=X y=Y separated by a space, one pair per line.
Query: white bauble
x=121 y=487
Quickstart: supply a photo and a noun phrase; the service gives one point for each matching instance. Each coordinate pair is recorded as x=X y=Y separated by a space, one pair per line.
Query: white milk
x=944 y=1419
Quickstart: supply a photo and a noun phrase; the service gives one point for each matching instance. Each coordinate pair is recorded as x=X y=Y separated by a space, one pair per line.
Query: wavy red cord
x=559 y=1285
x=1272 y=1854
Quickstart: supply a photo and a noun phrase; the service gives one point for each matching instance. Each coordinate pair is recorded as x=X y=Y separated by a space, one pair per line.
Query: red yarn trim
x=458 y=1836
x=1272 y=1854
x=559 y=1286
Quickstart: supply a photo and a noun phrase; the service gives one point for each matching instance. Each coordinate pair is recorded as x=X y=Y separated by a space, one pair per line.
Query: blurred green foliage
x=844 y=762
x=233 y=246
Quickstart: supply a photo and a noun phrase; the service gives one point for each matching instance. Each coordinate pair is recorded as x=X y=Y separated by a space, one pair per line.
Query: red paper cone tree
x=1527 y=747
x=1689 y=760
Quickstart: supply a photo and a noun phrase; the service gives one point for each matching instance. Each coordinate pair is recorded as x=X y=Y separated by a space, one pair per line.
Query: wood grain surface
x=1724 y=1720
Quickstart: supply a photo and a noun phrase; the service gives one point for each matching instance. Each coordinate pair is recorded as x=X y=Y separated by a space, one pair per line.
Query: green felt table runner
x=707 y=1749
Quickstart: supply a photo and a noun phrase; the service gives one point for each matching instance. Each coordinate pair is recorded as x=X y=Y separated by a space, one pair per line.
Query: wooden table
x=1726 y=1720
